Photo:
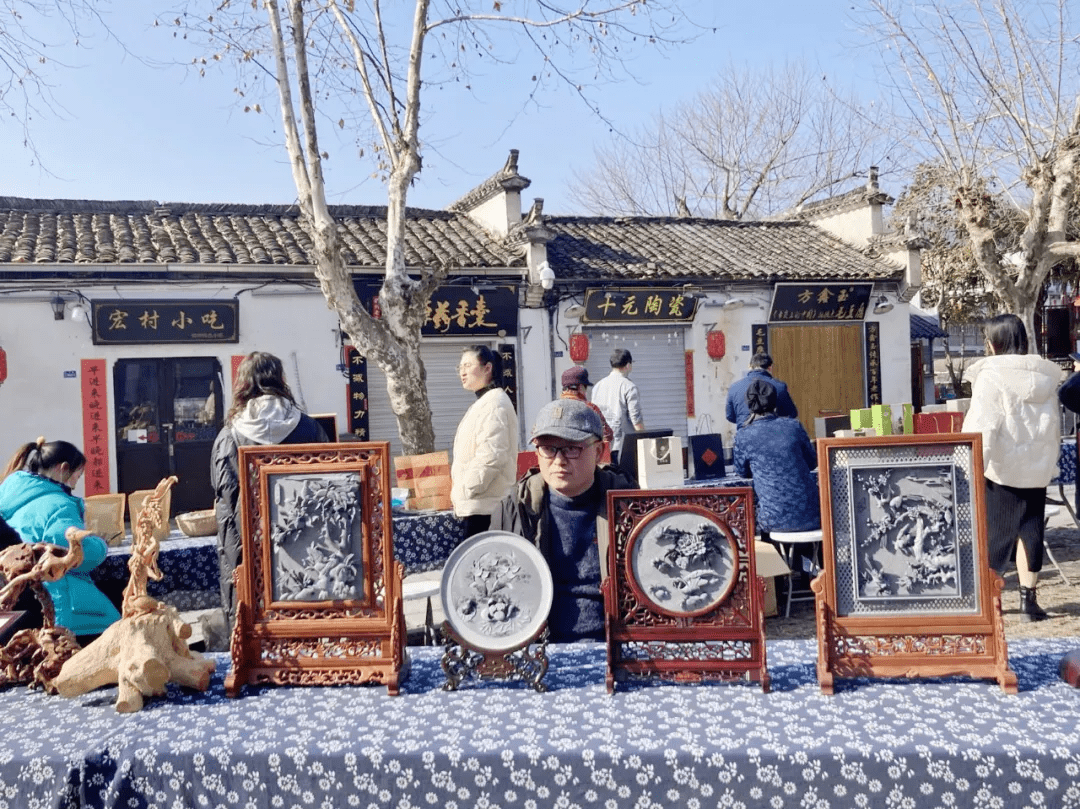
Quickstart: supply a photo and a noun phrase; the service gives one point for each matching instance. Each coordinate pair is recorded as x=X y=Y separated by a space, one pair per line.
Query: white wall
x=38 y=399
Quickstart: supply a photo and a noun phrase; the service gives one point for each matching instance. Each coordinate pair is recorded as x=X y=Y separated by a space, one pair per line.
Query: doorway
x=168 y=413
x=823 y=366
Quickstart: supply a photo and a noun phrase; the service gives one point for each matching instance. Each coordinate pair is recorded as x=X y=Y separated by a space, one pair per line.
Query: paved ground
x=1060 y=599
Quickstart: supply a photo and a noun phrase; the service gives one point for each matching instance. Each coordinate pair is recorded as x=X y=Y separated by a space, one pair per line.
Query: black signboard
x=873 y=362
x=759 y=336
x=119 y=322
x=358 y=393
x=638 y=305
x=456 y=310
x=509 y=382
x=820 y=301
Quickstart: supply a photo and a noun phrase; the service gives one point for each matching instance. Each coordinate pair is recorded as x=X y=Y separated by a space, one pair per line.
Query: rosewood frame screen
x=906 y=589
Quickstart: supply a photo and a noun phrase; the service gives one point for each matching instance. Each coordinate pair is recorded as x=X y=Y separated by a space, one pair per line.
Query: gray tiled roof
x=673 y=248
x=925 y=328
x=146 y=232
x=59 y=232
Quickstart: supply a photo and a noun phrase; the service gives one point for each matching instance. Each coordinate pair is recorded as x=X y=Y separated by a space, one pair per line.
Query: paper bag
x=708 y=453
x=938 y=422
x=427 y=477
x=660 y=463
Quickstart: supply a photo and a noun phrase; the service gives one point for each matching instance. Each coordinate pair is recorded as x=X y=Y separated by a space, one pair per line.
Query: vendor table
x=190 y=564
x=953 y=742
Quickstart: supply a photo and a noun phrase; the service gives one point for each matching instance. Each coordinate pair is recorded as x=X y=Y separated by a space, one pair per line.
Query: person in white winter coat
x=1014 y=405
x=486 y=443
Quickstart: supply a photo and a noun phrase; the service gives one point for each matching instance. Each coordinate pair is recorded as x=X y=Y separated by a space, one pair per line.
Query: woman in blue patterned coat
x=777 y=453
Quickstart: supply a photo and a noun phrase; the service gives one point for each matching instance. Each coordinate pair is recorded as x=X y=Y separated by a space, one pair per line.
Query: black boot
x=1029 y=608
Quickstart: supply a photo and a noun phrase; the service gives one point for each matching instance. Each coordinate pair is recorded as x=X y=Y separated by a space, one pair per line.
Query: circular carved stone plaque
x=682 y=561
x=496 y=591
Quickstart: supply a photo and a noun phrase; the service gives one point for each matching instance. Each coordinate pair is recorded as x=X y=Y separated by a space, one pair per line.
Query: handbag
x=660 y=463
x=707 y=450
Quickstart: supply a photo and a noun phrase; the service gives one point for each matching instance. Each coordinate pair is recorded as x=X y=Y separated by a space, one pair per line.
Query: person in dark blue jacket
x=777 y=453
x=263 y=412
x=737 y=411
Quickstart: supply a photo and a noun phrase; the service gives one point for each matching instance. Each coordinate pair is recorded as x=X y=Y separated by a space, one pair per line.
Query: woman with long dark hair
x=486 y=443
x=263 y=412
x=36 y=500
x=1014 y=405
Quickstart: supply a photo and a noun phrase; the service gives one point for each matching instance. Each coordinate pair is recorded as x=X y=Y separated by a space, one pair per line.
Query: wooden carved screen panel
x=906 y=590
x=682 y=597
x=318 y=591
x=823 y=367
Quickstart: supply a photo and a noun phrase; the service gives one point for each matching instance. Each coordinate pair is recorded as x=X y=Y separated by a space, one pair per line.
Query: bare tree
x=752 y=144
x=320 y=54
x=993 y=90
x=31 y=33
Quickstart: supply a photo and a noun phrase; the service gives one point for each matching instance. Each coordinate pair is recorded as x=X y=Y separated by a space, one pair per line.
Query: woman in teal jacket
x=36 y=500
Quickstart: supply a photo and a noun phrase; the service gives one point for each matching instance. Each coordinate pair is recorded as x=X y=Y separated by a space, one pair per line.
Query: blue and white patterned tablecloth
x=423 y=542
x=189 y=567
x=190 y=564
x=1067 y=461
x=951 y=743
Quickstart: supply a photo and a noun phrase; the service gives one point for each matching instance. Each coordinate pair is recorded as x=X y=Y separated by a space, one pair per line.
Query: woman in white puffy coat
x=1014 y=405
x=484 y=467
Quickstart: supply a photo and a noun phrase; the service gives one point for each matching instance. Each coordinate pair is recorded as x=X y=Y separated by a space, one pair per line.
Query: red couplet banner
x=95 y=409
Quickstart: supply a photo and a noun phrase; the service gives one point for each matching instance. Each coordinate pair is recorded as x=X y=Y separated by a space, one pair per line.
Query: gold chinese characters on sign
x=820 y=301
x=638 y=305
x=165 y=321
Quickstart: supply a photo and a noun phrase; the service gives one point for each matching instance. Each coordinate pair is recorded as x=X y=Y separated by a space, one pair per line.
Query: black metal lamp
x=57 y=304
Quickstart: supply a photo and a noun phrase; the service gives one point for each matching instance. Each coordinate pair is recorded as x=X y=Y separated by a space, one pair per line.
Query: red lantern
x=376 y=308
x=579 y=347
x=715 y=344
x=3 y=365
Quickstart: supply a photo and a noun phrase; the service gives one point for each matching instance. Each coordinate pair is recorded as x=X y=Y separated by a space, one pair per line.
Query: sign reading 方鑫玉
x=165 y=321
x=794 y=302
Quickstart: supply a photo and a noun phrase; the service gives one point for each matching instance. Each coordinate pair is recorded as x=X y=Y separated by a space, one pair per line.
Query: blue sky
x=129 y=131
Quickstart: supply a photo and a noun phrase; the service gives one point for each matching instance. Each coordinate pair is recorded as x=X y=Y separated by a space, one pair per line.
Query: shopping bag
x=938 y=422
x=708 y=453
x=427 y=477
x=660 y=463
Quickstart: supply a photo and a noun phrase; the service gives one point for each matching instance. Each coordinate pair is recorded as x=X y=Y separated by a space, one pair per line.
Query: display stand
x=906 y=590
x=462 y=661
x=496 y=594
x=318 y=593
x=682 y=597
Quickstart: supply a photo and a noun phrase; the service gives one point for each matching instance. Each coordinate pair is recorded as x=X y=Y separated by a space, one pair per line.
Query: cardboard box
x=903 y=418
x=957 y=405
x=826 y=426
x=770 y=608
x=864 y=432
x=861 y=419
x=769 y=564
x=881 y=419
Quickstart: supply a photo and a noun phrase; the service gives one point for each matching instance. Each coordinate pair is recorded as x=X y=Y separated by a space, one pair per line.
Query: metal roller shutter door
x=659 y=370
x=449 y=400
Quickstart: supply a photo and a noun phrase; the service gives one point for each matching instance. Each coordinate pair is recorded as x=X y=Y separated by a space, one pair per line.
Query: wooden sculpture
x=146 y=648
x=35 y=656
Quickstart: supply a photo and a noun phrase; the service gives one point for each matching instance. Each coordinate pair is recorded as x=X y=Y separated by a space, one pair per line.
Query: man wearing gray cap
x=557 y=507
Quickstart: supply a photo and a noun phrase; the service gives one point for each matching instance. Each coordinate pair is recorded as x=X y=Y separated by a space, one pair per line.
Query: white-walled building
x=121 y=322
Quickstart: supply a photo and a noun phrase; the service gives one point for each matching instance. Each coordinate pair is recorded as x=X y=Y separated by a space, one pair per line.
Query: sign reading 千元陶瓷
x=640 y=305
x=820 y=301
x=165 y=321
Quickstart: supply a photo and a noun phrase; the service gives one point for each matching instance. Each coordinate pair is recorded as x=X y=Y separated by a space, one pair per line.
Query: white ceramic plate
x=496 y=591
